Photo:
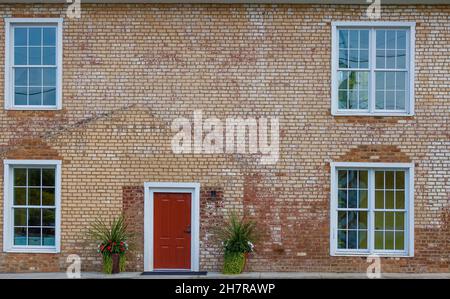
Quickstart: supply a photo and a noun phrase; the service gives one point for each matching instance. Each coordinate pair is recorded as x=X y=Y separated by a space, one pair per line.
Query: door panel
x=172 y=224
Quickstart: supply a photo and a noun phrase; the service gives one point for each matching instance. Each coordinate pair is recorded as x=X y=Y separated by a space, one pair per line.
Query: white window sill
x=349 y=113
x=31 y=250
x=366 y=254
x=33 y=108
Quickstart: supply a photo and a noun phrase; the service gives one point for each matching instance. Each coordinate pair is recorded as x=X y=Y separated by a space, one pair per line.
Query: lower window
x=32 y=199
x=372 y=208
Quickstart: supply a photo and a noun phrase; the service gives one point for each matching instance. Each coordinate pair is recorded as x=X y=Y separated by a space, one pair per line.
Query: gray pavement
x=215 y=275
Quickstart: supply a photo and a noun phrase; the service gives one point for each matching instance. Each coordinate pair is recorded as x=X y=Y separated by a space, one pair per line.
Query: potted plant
x=237 y=235
x=112 y=238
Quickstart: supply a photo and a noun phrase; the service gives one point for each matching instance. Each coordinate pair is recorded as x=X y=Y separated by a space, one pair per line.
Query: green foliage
x=234 y=263
x=107 y=264
x=238 y=235
x=112 y=236
x=122 y=262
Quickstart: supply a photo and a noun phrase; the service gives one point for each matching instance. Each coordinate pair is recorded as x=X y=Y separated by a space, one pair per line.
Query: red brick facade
x=130 y=70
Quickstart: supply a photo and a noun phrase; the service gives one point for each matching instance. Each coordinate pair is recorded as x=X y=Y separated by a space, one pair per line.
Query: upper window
x=32 y=196
x=372 y=209
x=373 y=68
x=33 y=64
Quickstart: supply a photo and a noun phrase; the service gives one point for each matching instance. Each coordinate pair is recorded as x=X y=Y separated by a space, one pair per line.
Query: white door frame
x=149 y=189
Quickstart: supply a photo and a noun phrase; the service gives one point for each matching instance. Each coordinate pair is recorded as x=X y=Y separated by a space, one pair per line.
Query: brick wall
x=129 y=70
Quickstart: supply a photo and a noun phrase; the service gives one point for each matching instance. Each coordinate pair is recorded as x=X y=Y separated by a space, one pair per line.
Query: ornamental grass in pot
x=237 y=235
x=113 y=240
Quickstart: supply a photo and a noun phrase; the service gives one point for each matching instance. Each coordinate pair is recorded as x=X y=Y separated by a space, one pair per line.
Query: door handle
x=188 y=230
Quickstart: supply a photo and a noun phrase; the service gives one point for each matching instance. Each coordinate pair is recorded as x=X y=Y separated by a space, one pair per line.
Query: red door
x=172 y=231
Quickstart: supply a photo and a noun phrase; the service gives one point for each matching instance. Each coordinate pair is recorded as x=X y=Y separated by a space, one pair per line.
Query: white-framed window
x=32 y=197
x=373 y=68
x=372 y=209
x=33 y=63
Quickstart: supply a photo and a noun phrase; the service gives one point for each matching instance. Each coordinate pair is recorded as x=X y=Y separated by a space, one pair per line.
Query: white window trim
x=7 y=207
x=411 y=26
x=409 y=231
x=149 y=189
x=9 y=90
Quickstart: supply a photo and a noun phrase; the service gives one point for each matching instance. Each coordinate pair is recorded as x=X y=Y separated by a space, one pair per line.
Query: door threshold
x=174 y=272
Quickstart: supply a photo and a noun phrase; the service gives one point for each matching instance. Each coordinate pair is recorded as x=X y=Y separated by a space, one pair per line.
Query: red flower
x=109 y=248
x=121 y=243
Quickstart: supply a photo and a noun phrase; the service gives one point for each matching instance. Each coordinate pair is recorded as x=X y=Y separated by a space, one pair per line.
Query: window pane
x=362 y=220
x=390 y=39
x=34 y=196
x=379 y=80
x=49 y=96
x=48 y=217
x=20 y=95
x=20 y=196
x=20 y=176
x=20 y=236
x=34 y=236
x=20 y=217
x=379 y=104
x=401 y=39
x=48 y=177
x=21 y=76
x=389 y=179
x=49 y=76
x=34 y=217
x=49 y=56
x=389 y=199
x=34 y=55
x=20 y=56
x=342 y=220
x=363 y=179
x=353 y=59
x=364 y=39
x=400 y=200
x=48 y=236
x=379 y=199
x=354 y=40
x=20 y=36
x=390 y=59
x=379 y=179
x=352 y=220
x=399 y=240
x=352 y=199
x=352 y=239
x=381 y=59
x=342 y=198
x=390 y=100
x=401 y=59
x=35 y=76
x=389 y=240
x=343 y=99
x=380 y=37
x=342 y=239
x=352 y=179
x=343 y=39
x=389 y=220
x=49 y=37
x=34 y=36
x=379 y=220
x=400 y=180
x=400 y=100
x=379 y=241
x=362 y=239
x=399 y=220
x=34 y=177
x=364 y=59
x=363 y=199
x=48 y=196
x=35 y=96
x=342 y=179
x=343 y=58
